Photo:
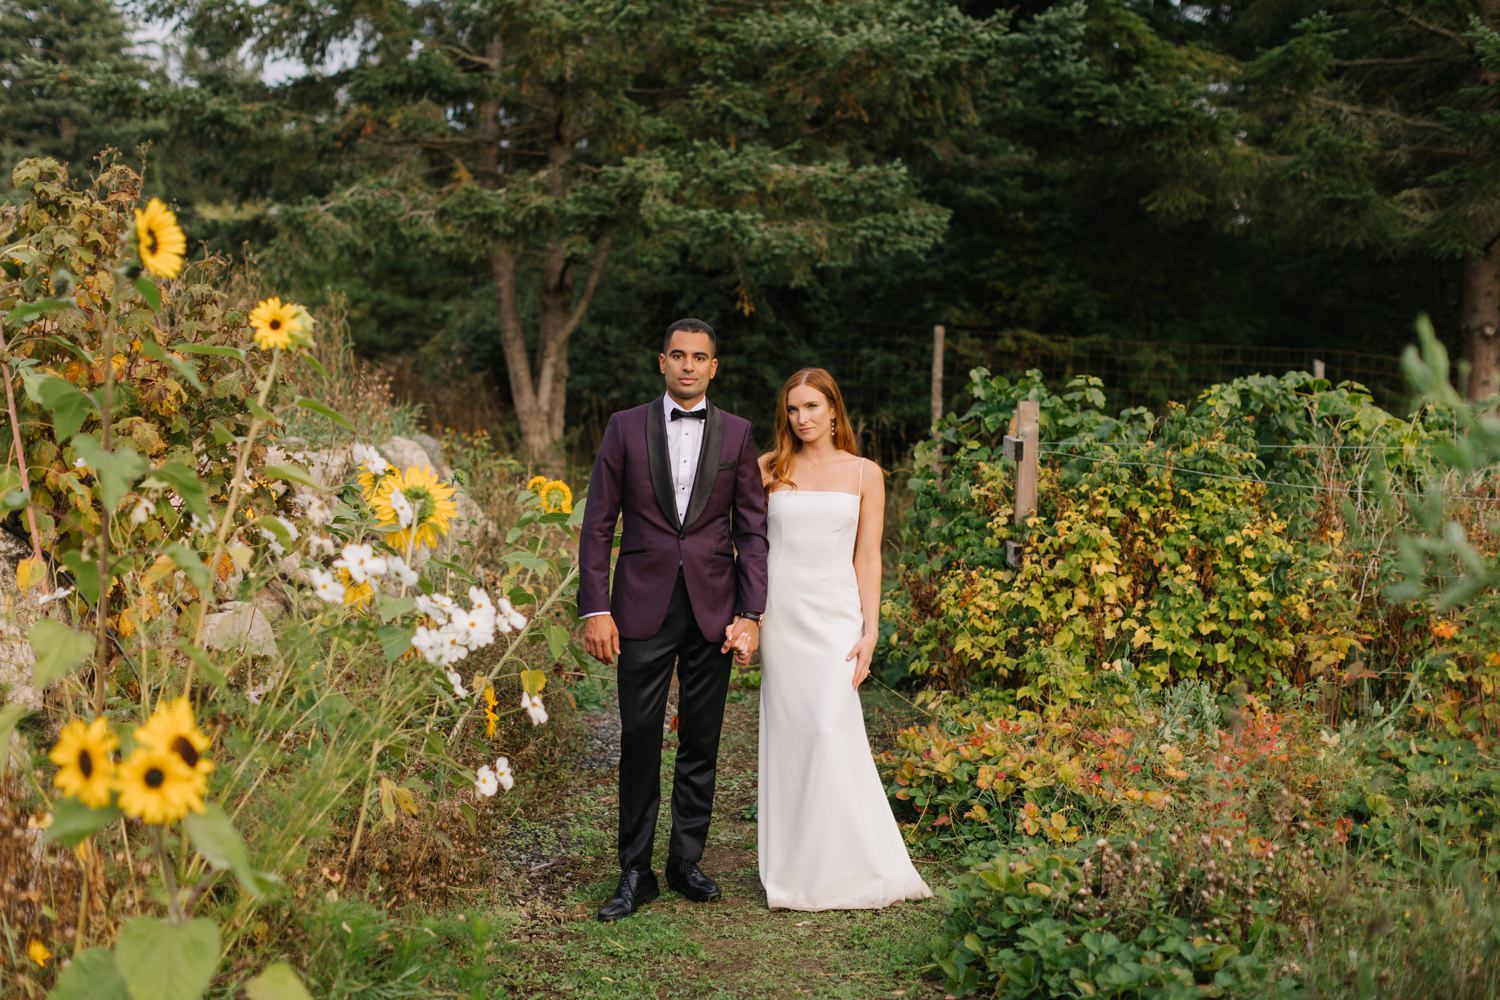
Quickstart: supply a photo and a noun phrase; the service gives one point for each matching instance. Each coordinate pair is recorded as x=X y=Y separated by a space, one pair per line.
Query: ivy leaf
x=186 y=369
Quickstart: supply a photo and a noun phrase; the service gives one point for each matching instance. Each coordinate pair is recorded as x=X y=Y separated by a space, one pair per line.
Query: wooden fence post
x=1022 y=445
x=938 y=334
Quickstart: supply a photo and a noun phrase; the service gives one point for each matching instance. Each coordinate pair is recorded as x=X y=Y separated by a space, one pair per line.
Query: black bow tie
x=689 y=414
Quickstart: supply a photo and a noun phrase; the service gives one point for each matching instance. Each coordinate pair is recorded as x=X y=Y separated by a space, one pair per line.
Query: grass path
x=674 y=948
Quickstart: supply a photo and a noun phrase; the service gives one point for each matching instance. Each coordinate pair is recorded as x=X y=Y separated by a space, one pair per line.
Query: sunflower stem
x=106 y=404
x=236 y=484
x=168 y=874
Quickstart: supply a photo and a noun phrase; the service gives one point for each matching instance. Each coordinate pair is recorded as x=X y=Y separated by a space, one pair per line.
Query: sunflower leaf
x=324 y=410
x=214 y=836
x=168 y=961
x=192 y=564
x=278 y=981
x=185 y=482
x=214 y=349
x=291 y=473
x=59 y=650
x=73 y=822
x=69 y=407
x=186 y=369
x=28 y=311
x=9 y=716
x=117 y=469
x=149 y=292
x=91 y=975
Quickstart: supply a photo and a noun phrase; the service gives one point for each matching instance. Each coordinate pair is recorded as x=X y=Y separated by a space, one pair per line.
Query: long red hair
x=788 y=444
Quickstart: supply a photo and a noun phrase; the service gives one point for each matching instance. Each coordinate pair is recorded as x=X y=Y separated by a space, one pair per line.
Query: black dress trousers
x=645 y=677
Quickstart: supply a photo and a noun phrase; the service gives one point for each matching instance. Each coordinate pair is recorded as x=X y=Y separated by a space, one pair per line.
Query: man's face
x=688 y=365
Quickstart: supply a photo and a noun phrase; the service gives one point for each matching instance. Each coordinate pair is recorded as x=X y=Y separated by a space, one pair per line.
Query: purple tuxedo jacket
x=720 y=544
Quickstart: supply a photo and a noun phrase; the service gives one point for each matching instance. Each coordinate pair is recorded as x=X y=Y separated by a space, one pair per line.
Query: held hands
x=743 y=636
x=601 y=638
x=862 y=653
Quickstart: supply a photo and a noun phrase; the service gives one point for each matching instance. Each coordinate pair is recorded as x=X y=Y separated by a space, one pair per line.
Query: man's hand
x=601 y=638
x=743 y=636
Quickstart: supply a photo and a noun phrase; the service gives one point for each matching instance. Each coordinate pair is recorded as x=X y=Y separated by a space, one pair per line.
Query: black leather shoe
x=687 y=878
x=637 y=888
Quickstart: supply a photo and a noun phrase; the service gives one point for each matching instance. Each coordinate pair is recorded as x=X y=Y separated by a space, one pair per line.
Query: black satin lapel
x=659 y=460
x=708 y=465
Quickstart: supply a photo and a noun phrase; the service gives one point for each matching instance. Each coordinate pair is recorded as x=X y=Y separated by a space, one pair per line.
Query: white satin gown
x=827 y=837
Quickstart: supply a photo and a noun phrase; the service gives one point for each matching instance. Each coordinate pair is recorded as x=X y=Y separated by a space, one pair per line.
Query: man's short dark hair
x=690 y=325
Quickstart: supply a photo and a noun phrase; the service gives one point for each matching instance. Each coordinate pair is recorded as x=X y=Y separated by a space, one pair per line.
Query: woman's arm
x=867 y=567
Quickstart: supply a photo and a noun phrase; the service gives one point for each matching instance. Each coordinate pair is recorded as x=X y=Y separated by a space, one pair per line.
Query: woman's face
x=808 y=414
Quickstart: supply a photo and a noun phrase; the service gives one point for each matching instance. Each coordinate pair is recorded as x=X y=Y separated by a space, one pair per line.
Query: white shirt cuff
x=594 y=614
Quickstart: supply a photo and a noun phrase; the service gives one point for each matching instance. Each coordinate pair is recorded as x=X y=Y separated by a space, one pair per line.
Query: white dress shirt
x=684 y=445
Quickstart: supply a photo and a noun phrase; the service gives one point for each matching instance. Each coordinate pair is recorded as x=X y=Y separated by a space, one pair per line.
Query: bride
x=827 y=838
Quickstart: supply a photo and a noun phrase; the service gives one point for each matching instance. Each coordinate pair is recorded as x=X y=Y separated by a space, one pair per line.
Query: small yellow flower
x=156 y=787
x=159 y=239
x=85 y=761
x=276 y=324
x=172 y=729
x=490 y=717
x=38 y=953
x=355 y=594
x=556 y=496
x=535 y=483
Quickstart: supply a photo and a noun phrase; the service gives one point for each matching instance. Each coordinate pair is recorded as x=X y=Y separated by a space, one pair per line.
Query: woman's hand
x=862 y=653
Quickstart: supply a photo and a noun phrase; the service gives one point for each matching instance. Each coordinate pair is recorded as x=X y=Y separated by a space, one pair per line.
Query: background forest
x=510 y=200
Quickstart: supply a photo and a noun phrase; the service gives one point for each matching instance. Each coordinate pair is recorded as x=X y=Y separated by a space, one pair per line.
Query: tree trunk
x=1481 y=320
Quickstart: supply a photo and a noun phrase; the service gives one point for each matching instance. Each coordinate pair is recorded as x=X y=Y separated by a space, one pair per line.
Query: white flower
x=275 y=455
x=203 y=527
x=402 y=508
x=396 y=567
x=258 y=692
x=438 y=607
x=477 y=626
x=458 y=683
x=503 y=775
x=534 y=708
x=428 y=642
x=370 y=459
x=317 y=510
x=478 y=598
x=140 y=512
x=80 y=463
x=486 y=782
x=273 y=540
x=325 y=586
x=361 y=562
x=320 y=545
x=56 y=595
x=516 y=619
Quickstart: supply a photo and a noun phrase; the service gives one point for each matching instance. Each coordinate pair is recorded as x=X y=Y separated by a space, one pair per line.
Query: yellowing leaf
x=532 y=681
x=30 y=573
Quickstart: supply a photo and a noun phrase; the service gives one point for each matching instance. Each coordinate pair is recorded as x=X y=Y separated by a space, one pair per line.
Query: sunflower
x=277 y=325
x=156 y=787
x=159 y=239
x=355 y=594
x=557 y=497
x=85 y=761
x=370 y=481
x=535 y=484
x=172 y=729
x=431 y=502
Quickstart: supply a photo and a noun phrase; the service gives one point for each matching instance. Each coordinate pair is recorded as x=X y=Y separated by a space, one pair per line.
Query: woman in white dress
x=827 y=838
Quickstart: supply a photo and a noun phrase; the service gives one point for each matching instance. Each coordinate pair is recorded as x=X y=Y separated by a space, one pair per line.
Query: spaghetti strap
x=859 y=488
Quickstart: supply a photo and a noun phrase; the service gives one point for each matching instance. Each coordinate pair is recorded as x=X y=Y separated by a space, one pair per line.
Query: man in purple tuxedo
x=689 y=585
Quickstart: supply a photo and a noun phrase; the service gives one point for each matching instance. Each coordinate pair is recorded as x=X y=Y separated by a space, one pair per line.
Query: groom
x=689 y=585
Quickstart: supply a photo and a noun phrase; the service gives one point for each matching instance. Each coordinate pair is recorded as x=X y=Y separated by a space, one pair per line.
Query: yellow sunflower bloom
x=156 y=787
x=355 y=594
x=431 y=507
x=556 y=496
x=370 y=482
x=85 y=761
x=277 y=325
x=159 y=239
x=172 y=729
x=535 y=483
